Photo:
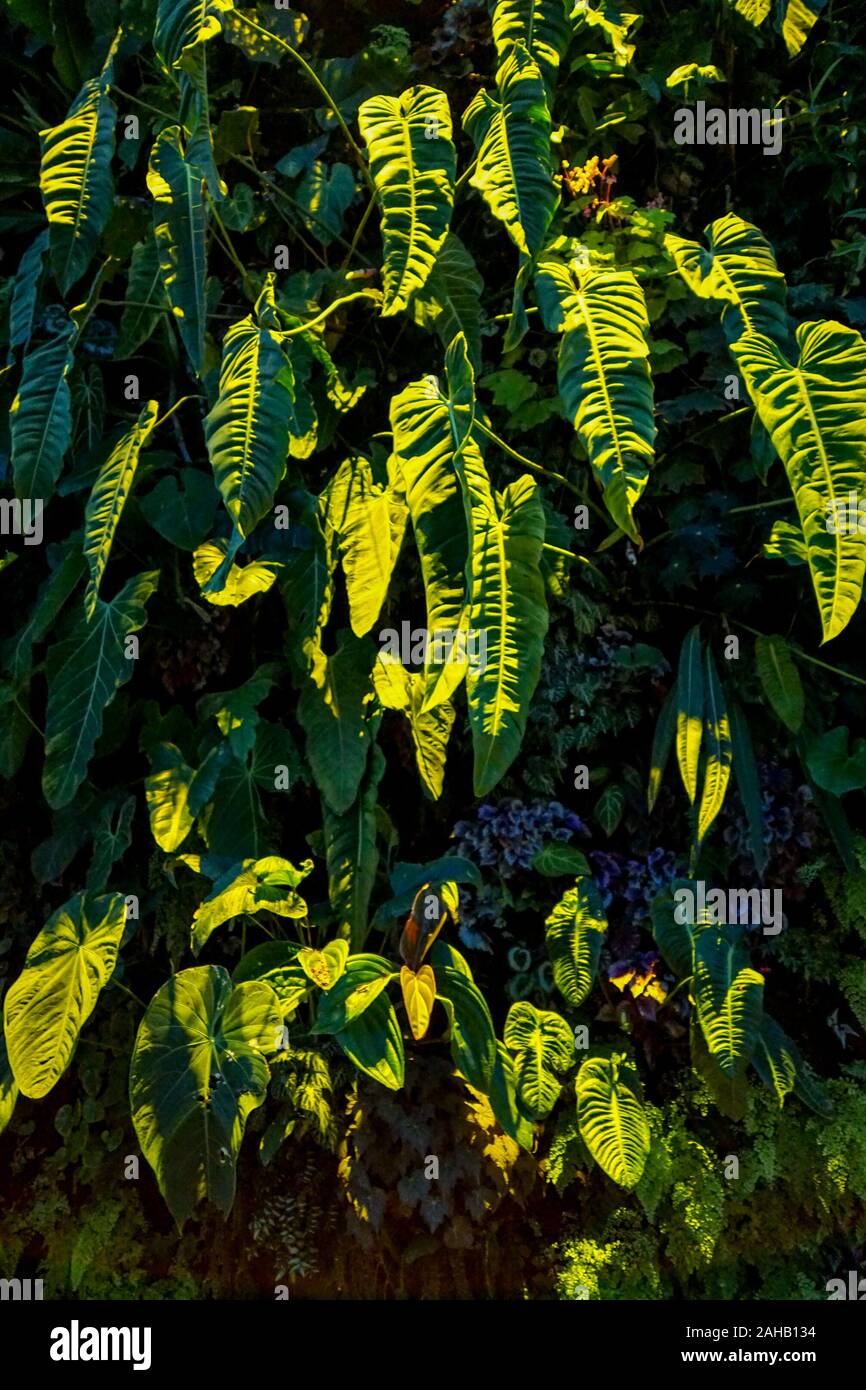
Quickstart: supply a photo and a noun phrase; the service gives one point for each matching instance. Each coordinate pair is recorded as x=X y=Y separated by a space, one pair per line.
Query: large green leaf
x=180 y=223
x=575 y=932
x=690 y=711
x=41 y=416
x=351 y=855
x=108 y=498
x=473 y=1040
x=146 y=300
x=612 y=1119
x=428 y=430
x=412 y=161
x=333 y=711
x=450 y=300
x=780 y=1066
x=604 y=375
x=543 y=1043
x=358 y=511
x=85 y=670
x=268 y=884
x=48 y=1005
x=511 y=132
x=509 y=609
x=22 y=309
x=399 y=689
x=183 y=26
x=75 y=179
x=362 y=981
x=247 y=432
x=719 y=755
x=198 y=1069
x=739 y=270
x=374 y=1043
x=542 y=26
x=814 y=414
x=781 y=680
x=729 y=998
x=674 y=933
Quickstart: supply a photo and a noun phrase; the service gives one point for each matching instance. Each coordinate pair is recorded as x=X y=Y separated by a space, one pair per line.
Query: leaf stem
x=527 y=463
x=320 y=318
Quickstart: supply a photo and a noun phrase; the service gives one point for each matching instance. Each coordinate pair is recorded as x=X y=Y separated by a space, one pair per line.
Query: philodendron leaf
x=543 y=1044
x=717 y=739
x=604 y=375
x=358 y=512
x=352 y=857
x=690 y=711
x=324 y=967
x=575 y=932
x=22 y=309
x=226 y=584
x=167 y=790
x=450 y=300
x=511 y=132
x=673 y=928
x=180 y=224
x=473 y=1040
x=41 y=416
x=612 y=1120
x=146 y=299
x=781 y=680
x=362 y=981
x=75 y=178
x=739 y=271
x=541 y=25
x=399 y=689
x=419 y=996
x=275 y=964
x=108 y=498
x=412 y=161
x=373 y=1042
x=48 y=1005
x=85 y=670
x=247 y=432
x=254 y=885
x=333 y=710
x=814 y=414
x=729 y=998
x=509 y=610
x=198 y=1070
x=8 y=1084
x=831 y=765
x=183 y=26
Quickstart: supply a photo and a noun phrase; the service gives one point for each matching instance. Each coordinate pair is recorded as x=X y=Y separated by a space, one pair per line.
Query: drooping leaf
x=690 y=711
x=511 y=133
x=542 y=26
x=268 y=884
x=146 y=299
x=167 y=792
x=612 y=1119
x=780 y=680
x=717 y=739
x=374 y=1043
x=473 y=1040
x=22 y=309
x=412 y=161
x=729 y=998
x=85 y=670
x=575 y=932
x=798 y=20
x=198 y=1069
x=333 y=711
x=399 y=689
x=247 y=432
x=180 y=223
x=604 y=375
x=324 y=967
x=183 y=26
x=108 y=498
x=41 y=416
x=544 y=1045
x=739 y=270
x=673 y=932
x=75 y=178
x=67 y=965
x=358 y=510
x=360 y=984
x=450 y=299
x=831 y=765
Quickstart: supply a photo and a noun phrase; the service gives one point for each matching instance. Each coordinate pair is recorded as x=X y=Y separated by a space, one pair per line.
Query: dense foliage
x=429 y=483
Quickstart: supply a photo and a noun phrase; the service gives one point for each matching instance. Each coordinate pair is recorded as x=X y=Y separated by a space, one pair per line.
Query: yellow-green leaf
x=108 y=498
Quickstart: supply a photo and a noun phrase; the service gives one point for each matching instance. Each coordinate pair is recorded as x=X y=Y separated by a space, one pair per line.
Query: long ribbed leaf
x=180 y=222
x=75 y=179
x=511 y=132
x=717 y=738
x=146 y=299
x=612 y=1120
x=351 y=856
x=22 y=309
x=412 y=161
x=183 y=26
x=85 y=670
x=604 y=375
x=729 y=998
x=108 y=499
x=575 y=932
x=333 y=712
x=543 y=1044
x=739 y=270
x=358 y=510
x=247 y=432
x=780 y=680
x=542 y=26
x=814 y=414
x=450 y=301
x=41 y=417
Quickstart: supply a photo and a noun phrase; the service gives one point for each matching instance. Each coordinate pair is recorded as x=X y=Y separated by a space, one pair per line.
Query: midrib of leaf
x=831 y=490
x=602 y=380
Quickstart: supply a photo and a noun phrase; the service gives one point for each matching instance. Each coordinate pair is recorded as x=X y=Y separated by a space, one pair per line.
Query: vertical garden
x=433 y=680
